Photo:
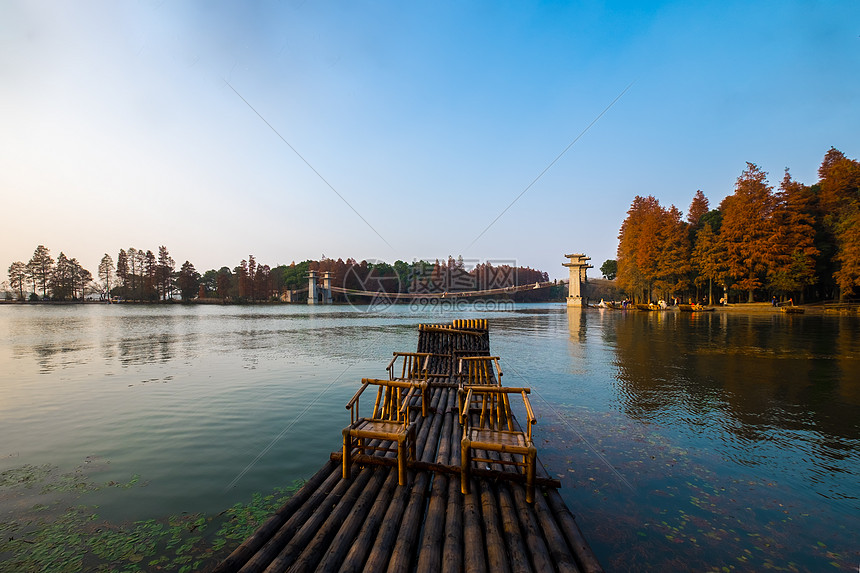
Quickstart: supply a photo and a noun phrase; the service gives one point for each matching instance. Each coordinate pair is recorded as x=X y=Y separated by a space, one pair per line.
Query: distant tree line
x=63 y=279
x=799 y=241
x=142 y=275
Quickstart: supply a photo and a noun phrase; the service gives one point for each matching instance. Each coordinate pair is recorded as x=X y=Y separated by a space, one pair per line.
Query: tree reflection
x=765 y=381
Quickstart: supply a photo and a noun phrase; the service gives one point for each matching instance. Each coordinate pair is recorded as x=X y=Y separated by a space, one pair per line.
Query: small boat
x=649 y=307
x=695 y=308
x=792 y=310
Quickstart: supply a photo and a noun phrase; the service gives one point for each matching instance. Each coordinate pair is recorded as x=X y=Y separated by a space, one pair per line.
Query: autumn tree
x=188 y=281
x=241 y=273
x=698 y=207
x=134 y=271
x=224 y=282
x=106 y=270
x=149 y=264
x=673 y=253
x=62 y=278
x=18 y=277
x=653 y=249
x=708 y=260
x=164 y=272
x=793 y=241
x=41 y=266
x=81 y=279
x=747 y=230
x=249 y=278
x=122 y=271
x=838 y=198
x=848 y=256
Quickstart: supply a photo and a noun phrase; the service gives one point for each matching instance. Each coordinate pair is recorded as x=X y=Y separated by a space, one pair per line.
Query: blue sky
x=429 y=119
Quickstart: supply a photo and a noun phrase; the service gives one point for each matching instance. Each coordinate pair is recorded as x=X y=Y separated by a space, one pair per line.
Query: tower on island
x=578 y=265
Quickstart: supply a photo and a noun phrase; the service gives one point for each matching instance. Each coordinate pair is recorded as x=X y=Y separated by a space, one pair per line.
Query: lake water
x=683 y=441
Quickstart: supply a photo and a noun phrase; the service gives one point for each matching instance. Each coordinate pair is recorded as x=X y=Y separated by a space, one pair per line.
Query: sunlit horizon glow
x=119 y=128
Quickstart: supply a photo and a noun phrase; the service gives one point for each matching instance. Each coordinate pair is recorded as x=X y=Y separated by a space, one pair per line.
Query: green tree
x=609 y=269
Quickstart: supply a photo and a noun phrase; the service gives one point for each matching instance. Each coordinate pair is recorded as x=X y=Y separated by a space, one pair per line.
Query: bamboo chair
x=389 y=422
x=477 y=371
x=413 y=366
x=492 y=428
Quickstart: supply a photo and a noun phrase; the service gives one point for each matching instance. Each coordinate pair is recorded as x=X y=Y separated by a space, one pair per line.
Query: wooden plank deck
x=370 y=523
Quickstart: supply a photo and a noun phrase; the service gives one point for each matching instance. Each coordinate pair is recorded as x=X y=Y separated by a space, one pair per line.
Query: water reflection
x=767 y=389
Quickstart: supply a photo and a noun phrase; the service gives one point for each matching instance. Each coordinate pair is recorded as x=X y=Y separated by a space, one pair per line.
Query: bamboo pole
x=497 y=557
x=473 y=539
x=514 y=541
x=383 y=544
x=407 y=534
x=250 y=546
x=361 y=546
x=290 y=552
x=412 y=519
x=582 y=552
x=261 y=559
x=452 y=553
x=429 y=555
x=560 y=552
x=349 y=527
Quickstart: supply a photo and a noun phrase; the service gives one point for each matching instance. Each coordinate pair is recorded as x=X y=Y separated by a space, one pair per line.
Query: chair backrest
x=392 y=399
x=495 y=408
x=479 y=371
x=413 y=366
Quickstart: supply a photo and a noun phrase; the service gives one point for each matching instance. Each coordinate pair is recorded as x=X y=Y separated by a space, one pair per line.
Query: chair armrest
x=404 y=408
x=390 y=366
x=532 y=420
x=354 y=399
x=529 y=412
x=464 y=409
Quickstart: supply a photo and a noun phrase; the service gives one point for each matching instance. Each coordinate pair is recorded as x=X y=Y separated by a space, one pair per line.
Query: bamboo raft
x=369 y=522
